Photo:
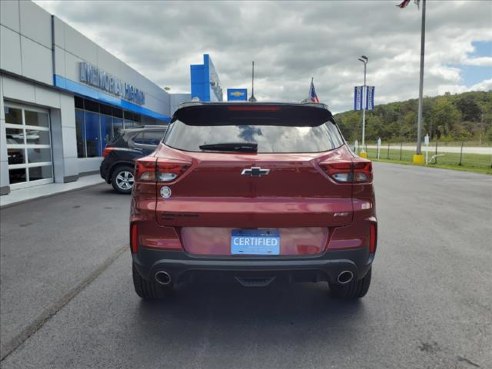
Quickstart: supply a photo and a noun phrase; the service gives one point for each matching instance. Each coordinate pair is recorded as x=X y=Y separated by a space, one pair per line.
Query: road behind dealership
x=429 y=305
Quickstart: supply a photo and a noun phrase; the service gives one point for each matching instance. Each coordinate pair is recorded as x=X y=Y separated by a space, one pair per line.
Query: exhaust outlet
x=345 y=277
x=162 y=278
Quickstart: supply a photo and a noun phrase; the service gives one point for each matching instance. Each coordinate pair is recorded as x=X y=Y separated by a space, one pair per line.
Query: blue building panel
x=104 y=98
x=205 y=82
x=200 y=83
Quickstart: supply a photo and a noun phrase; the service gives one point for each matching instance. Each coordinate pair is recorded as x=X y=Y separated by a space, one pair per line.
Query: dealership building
x=63 y=97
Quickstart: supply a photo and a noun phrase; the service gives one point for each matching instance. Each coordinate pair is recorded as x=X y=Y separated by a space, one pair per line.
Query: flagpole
x=364 y=96
x=364 y=59
x=418 y=157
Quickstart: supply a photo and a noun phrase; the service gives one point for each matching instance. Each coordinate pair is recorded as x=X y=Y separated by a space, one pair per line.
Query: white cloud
x=480 y=61
x=290 y=43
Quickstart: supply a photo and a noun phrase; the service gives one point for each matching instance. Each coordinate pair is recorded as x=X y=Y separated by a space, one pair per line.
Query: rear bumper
x=182 y=266
x=104 y=171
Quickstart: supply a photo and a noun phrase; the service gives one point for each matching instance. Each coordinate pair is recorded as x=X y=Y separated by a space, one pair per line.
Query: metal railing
x=437 y=153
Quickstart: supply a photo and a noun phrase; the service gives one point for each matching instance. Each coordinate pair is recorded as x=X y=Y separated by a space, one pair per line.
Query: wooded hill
x=459 y=117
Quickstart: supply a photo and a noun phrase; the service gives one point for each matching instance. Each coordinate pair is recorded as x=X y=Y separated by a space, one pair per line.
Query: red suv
x=256 y=192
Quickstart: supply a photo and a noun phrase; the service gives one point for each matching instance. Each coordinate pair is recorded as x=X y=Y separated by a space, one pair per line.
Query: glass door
x=28 y=145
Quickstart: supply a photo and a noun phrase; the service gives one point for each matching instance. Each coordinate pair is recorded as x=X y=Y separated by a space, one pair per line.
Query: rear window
x=274 y=128
x=153 y=137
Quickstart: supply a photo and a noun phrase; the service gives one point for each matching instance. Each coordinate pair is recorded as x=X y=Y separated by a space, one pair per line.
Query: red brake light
x=106 y=151
x=145 y=170
x=349 y=172
x=340 y=172
x=254 y=108
x=148 y=170
x=134 y=238
x=373 y=238
x=363 y=172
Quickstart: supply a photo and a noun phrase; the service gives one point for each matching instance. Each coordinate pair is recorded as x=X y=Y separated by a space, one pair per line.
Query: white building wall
x=26 y=41
x=71 y=48
x=35 y=46
x=62 y=114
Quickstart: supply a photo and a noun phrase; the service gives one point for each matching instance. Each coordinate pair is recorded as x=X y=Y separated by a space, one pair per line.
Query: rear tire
x=148 y=290
x=122 y=179
x=356 y=289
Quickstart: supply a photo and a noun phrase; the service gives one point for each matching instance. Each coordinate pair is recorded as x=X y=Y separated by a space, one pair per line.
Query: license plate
x=255 y=242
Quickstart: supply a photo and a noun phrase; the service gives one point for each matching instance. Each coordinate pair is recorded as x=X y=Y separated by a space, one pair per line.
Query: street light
x=418 y=158
x=364 y=59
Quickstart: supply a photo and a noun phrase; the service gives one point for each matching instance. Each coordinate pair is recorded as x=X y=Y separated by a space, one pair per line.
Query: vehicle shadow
x=229 y=312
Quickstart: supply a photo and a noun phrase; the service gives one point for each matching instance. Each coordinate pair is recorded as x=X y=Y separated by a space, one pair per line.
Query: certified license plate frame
x=262 y=242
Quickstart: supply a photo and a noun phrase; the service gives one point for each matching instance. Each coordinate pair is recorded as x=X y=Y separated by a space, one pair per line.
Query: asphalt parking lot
x=67 y=299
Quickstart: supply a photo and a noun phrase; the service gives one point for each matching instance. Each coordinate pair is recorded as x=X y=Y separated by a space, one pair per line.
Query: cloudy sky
x=291 y=42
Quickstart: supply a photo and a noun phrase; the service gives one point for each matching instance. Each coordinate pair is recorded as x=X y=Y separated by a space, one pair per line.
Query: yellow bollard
x=418 y=159
x=363 y=154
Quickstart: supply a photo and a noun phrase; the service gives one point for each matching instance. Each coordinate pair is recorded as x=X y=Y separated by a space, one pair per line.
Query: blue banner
x=358 y=98
x=237 y=94
x=370 y=98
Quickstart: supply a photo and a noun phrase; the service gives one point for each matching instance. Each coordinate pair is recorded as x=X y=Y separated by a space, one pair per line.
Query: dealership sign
x=98 y=78
x=237 y=94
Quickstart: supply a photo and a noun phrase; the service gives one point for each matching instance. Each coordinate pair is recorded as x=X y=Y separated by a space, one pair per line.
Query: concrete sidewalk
x=36 y=192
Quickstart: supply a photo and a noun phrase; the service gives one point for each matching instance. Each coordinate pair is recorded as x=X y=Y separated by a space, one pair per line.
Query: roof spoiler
x=311 y=103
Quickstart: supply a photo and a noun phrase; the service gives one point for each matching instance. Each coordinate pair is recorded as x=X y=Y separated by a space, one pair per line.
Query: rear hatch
x=264 y=168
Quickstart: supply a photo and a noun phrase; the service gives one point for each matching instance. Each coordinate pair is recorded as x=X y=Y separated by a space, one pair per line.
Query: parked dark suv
x=256 y=192
x=121 y=153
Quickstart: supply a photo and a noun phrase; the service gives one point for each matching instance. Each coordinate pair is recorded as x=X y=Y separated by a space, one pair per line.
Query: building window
x=98 y=124
x=92 y=134
x=80 y=127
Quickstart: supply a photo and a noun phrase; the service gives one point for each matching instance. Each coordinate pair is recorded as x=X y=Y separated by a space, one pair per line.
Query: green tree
x=444 y=116
x=469 y=108
x=453 y=117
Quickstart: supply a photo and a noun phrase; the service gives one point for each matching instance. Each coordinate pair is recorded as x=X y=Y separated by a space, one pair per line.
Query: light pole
x=364 y=59
x=418 y=158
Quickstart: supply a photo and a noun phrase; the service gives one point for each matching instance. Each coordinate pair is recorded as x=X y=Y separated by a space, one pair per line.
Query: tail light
x=373 y=238
x=362 y=172
x=145 y=170
x=150 y=170
x=134 y=238
x=107 y=151
x=349 y=172
x=168 y=172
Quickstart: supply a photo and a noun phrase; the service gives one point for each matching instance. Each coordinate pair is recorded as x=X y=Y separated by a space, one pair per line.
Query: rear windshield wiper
x=231 y=146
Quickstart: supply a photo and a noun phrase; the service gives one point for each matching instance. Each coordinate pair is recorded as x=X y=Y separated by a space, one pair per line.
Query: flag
x=312 y=93
x=369 y=97
x=404 y=4
x=358 y=98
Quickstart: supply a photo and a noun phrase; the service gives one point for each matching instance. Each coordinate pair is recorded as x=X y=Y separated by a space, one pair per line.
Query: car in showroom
x=256 y=192
x=120 y=155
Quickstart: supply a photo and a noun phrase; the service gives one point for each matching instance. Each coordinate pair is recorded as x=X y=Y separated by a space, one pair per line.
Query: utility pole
x=418 y=158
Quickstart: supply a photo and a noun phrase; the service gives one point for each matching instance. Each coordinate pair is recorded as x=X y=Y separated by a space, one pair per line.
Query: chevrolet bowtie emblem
x=255 y=172
x=237 y=93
